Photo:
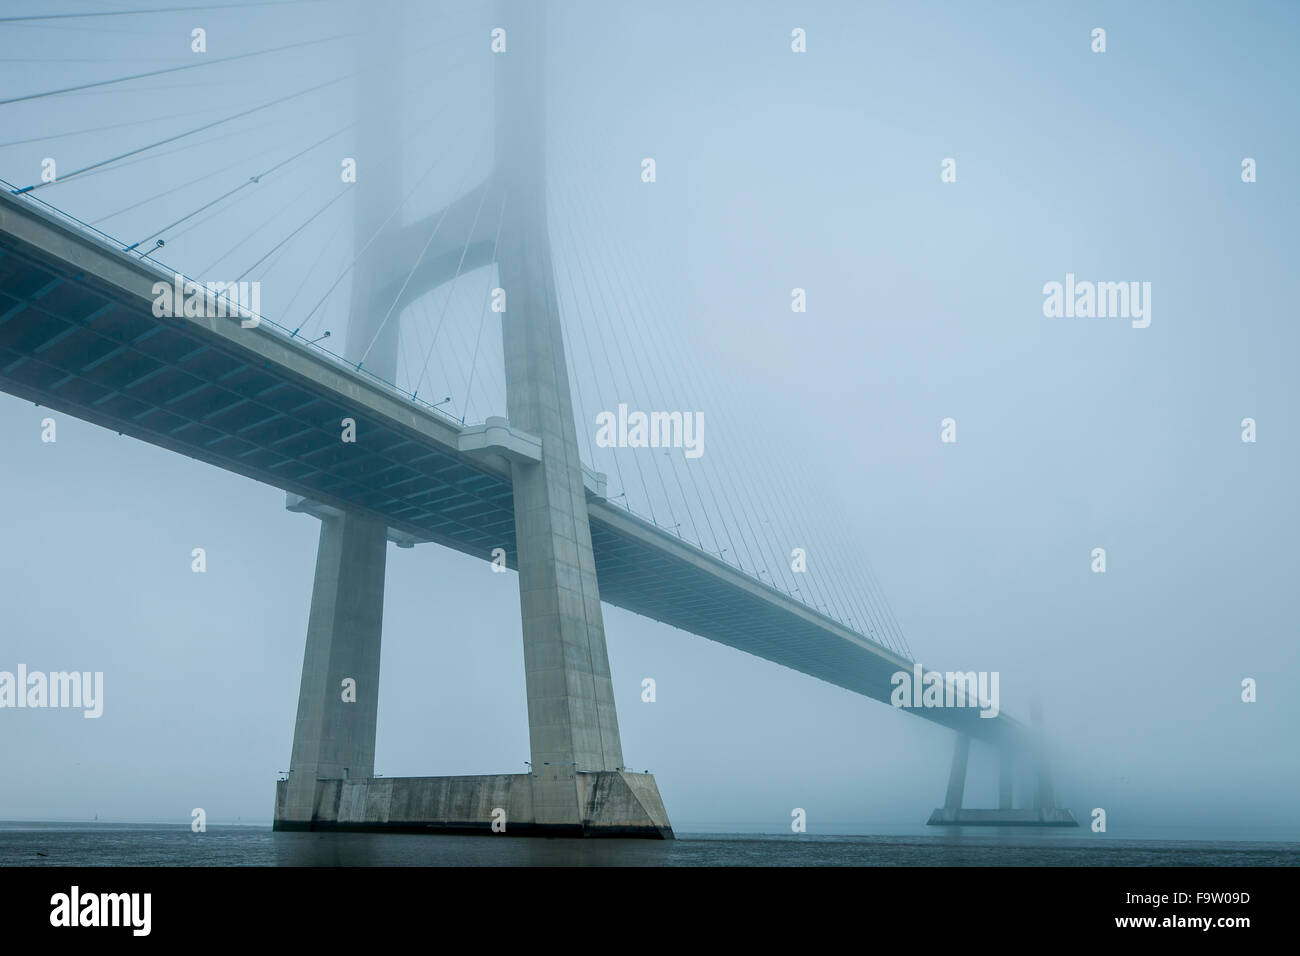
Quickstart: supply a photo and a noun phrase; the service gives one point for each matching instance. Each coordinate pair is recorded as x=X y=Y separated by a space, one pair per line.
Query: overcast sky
x=775 y=170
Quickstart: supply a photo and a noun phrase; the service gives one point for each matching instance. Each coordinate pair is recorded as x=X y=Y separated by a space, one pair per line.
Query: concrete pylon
x=578 y=785
x=573 y=727
x=957 y=774
x=334 y=738
x=1043 y=813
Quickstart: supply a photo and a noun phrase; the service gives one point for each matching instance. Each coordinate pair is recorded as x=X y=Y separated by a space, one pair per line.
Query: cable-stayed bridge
x=96 y=327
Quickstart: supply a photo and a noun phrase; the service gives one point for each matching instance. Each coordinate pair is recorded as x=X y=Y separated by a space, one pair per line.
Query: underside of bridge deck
x=77 y=334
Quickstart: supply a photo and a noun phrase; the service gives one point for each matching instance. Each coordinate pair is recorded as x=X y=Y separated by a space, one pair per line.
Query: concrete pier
x=572 y=724
x=333 y=737
x=1044 y=812
x=578 y=785
x=957 y=774
x=617 y=804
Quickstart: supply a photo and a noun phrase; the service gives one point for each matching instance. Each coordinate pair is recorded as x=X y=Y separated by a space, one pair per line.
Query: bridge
x=81 y=331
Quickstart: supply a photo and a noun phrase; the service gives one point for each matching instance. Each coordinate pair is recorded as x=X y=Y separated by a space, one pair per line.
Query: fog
x=775 y=170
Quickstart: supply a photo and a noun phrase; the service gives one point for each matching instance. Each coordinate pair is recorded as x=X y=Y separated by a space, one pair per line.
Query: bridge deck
x=78 y=334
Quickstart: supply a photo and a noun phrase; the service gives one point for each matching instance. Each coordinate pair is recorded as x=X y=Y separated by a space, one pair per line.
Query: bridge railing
x=167 y=272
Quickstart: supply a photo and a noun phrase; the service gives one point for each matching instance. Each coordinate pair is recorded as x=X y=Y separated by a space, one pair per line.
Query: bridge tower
x=334 y=738
x=578 y=784
x=1042 y=810
x=573 y=728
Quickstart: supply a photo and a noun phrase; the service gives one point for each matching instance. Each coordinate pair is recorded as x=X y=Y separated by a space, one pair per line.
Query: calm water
x=120 y=844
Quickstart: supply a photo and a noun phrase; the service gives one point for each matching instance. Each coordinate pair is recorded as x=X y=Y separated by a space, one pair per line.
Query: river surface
x=127 y=844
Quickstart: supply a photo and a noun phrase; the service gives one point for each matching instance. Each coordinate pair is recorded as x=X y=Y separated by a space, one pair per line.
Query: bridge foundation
x=612 y=804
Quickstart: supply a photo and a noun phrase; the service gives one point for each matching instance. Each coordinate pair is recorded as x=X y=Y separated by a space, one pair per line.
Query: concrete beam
x=498 y=438
x=456 y=239
x=300 y=505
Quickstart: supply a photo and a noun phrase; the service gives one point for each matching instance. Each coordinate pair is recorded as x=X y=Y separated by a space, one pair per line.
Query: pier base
x=1041 y=817
x=613 y=804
